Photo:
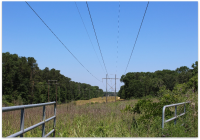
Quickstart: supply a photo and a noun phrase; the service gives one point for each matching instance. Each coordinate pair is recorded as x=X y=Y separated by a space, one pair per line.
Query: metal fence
x=22 y=108
x=175 y=113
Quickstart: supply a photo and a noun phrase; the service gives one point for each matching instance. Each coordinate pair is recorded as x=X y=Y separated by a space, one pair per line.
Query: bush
x=147 y=97
x=149 y=110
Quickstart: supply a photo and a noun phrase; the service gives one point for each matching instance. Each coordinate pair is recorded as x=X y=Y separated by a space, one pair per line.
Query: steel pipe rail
x=175 y=113
x=22 y=107
x=49 y=133
x=10 y=108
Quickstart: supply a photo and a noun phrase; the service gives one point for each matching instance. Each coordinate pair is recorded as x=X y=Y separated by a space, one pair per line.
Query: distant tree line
x=23 y=81
x=140 y=84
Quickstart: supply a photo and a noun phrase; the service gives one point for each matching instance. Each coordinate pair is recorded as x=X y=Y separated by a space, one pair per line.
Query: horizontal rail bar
x=175 y=117
x=50 y=118
x=15 y=134
x=49 y=133
x=30 y=128
x=176 y=104
x=10 y=108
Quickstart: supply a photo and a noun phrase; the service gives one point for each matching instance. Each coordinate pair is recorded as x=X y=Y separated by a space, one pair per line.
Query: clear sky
x=168 y=38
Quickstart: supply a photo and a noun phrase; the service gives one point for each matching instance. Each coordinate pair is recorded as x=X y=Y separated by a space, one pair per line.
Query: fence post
x=175 y=112
x=163 y=117
x=184 y=112
x=43 y=125
x=54 y=126
x=22 y=122
x=184 y=108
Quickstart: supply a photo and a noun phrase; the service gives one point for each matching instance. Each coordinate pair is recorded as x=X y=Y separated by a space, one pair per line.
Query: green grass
x=102 y=120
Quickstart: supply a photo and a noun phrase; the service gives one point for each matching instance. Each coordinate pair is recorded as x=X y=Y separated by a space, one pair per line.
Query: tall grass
x=100 y=120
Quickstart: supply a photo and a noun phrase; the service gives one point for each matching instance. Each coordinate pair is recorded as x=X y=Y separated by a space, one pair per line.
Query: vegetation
x=24 y=83
x=105 y=120
x=140 y=84
x=140 y=115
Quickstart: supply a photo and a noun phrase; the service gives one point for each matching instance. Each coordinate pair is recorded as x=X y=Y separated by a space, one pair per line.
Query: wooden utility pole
x=106 y=88
x=111 y=87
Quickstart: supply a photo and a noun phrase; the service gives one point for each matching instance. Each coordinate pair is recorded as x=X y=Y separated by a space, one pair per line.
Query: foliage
x=149 y=109
x=22 y=78
x=142 y=84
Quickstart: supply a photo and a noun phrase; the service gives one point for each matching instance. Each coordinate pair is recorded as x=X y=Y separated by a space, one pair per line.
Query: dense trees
x=139 y=84
x=23 y=80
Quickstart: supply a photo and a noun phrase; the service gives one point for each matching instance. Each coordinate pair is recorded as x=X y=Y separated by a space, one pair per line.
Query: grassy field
x=99 y=100
x=95 y=118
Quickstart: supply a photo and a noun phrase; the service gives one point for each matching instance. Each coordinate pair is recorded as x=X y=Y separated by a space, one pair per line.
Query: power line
x=87 y=33
x=137 y=36
x=118 y=37
x=61 y=41
x=96 y=36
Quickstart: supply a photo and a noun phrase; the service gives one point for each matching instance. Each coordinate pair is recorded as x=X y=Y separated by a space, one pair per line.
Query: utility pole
x=106 y=86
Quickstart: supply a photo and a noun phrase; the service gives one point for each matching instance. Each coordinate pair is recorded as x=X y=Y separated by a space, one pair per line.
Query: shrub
x=149 y=110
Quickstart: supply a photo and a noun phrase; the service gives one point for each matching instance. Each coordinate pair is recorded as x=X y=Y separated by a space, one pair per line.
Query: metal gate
x=175 y=113
x=22 y=108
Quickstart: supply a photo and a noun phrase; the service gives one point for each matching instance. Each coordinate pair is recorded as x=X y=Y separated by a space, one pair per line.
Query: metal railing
x=22 y=108
x=175 y=113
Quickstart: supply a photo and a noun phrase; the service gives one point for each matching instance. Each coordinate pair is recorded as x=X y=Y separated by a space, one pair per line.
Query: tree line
x=23 y=81
x=140 y=84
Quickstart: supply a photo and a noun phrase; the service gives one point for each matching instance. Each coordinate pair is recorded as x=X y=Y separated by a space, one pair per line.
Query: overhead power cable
x=137 y=36
x=61 y=42
x=96 y=37
x=88 y=34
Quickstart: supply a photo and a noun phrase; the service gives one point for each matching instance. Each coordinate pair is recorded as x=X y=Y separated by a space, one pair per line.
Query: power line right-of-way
x=87 y=33
x=137 y=37
x=96 y=36
x=61 y=42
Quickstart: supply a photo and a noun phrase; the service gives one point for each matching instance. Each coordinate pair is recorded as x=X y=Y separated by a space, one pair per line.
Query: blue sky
x=168 y=38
